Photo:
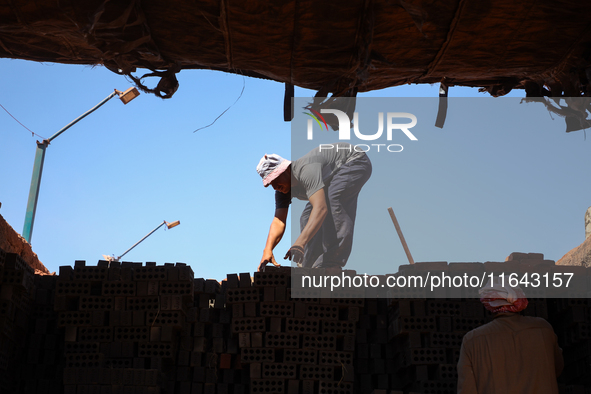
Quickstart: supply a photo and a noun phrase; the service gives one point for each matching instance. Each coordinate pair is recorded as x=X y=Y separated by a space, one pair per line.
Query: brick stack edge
x=129 y=328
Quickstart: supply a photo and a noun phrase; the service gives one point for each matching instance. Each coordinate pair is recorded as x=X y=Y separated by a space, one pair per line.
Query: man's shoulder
x=526 y=322
x=536 y=322
x=308 y=159
x=510 y=323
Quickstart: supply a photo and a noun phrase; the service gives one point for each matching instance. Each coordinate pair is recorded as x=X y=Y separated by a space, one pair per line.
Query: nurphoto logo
x=392 y=124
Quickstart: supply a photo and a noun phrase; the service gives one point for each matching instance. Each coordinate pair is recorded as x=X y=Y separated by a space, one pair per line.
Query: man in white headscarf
x=512 y=353
x=330 y=180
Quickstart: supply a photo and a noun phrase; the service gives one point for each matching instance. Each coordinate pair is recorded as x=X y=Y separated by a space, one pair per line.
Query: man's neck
x=504 y=314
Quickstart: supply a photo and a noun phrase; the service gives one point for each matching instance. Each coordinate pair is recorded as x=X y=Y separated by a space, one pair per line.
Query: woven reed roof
x=338 y=47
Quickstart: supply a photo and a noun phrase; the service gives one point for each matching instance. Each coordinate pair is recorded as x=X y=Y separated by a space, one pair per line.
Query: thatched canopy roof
x=331 y=46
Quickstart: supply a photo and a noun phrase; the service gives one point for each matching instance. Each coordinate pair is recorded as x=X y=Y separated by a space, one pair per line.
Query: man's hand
x=275 y=234
x=267 y=258
x=295 y=254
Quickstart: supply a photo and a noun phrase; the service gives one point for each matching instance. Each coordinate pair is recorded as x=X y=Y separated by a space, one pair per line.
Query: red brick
x=245 y=280
x=225 y=361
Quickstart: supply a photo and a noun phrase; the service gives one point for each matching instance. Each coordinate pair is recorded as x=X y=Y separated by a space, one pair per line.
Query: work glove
x=295 y=254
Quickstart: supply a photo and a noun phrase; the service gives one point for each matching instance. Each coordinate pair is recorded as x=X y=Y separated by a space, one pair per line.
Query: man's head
x=275 y=171
x=499 y=297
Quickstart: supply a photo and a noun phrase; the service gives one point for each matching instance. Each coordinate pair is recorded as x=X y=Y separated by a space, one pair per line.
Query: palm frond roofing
x=331 y=46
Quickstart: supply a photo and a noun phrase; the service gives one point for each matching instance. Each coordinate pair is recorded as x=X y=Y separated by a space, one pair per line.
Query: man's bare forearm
x=277 y=228
x=317 y=216
x=275 y=233
x=314 y=223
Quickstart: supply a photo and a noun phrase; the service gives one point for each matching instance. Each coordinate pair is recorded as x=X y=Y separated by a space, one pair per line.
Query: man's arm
x=275 y=234
x=319 y=211
x=466 y=378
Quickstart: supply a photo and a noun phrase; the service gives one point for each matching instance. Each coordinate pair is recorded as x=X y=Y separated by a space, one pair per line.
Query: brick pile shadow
x=132 y=328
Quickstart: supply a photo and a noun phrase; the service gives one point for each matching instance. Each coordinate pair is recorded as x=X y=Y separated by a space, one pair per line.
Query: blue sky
x=474 y=192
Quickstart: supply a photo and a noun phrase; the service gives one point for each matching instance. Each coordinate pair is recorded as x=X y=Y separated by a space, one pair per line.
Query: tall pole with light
x=125 y=97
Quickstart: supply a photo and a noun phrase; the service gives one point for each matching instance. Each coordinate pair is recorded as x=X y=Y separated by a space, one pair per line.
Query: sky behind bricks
x=476 y=190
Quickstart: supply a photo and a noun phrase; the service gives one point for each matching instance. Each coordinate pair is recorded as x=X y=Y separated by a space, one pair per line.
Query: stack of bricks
x=374 y=361
x=121 y=324
x=16 y=292
x=428 y=334
x=132 y=328
x=210 y=350
x=292 y=346
x=573 y=327
x=45 y=342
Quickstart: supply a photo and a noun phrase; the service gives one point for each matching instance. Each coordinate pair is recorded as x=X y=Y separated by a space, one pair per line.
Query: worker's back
x=511 y=354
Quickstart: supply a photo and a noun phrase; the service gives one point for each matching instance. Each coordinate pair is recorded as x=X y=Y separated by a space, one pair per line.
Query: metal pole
x=38 y=170
x=34 y=190
x=138 y=242
x=84 y=115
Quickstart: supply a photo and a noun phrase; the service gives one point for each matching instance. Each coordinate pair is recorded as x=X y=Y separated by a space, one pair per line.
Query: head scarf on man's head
x=500 y=297
x=270 y=167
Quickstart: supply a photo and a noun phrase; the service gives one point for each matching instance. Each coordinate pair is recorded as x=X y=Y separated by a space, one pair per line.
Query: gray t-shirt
x=315 y=170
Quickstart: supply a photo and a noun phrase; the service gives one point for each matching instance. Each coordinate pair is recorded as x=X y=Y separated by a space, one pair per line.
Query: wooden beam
x=399 y=231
